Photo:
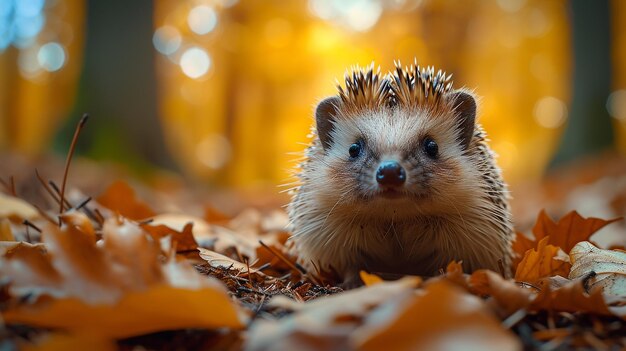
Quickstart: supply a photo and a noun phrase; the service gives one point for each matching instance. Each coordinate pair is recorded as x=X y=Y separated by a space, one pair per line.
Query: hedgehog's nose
x=390 y=173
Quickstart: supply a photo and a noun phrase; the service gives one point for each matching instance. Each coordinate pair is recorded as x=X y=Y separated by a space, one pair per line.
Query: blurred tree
x=589 y=127
x=117 y=86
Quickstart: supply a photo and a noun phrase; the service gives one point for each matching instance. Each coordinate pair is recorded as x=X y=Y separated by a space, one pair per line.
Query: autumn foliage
x=114 y=272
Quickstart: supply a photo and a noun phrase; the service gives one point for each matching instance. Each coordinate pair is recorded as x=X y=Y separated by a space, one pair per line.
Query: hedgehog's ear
x=325 y=114
x=464 y=106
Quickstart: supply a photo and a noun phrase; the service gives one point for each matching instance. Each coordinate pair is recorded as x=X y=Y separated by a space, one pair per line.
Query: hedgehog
x=399 y=180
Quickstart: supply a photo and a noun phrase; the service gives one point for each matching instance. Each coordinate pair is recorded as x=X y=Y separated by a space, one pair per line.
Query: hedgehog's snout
x=390 y=174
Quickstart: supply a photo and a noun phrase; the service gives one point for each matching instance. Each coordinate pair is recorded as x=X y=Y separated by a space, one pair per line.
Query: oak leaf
x=327 y=322
x=569 y=230
x=608 y=267
x=370 y=279
x=16 y=209
x=115 y=289
x=509 y=296
x=444 y=317
x=120 y=197
x=571 y=297
x=545 y=261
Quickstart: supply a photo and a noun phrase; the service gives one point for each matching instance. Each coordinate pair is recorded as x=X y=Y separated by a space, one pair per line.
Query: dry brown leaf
x=327 y=322
x=609 y=267
x=6 y=234
x=159 y=308
x=16 y=209
x=509 y=296
x=62 y=341
x=454 y=273
x=181 y=240
x=545 y=261
x=521 y=244
x=120 y=197
x=116 y=289
x=370 y=279
x=571 y=297
x=570 y=229
x=445 y=317
x=215 y=259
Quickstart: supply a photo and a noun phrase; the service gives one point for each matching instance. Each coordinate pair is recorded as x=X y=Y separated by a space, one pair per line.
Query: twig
x=79 y=127
x=514 y=318
x=283 y=258
x=12 y=180
x=47 y=187
x=31 y=224
x=84 y=203
x=10 y=187
x=44 y=214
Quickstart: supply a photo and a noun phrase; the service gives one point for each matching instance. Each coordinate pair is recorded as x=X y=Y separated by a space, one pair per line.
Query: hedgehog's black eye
x=355 y=149
x=430 y=147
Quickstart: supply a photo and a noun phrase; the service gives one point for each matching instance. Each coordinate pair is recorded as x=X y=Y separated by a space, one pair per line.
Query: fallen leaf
x=509 y=296
x=118 y=288
x=370 y=279
x=215 y=259
x=6 y=234
x=521 y=244
x=326 y=322
x=183 y=240
x=609 y=267
x=545 y=261
x=120 y=197
x=570 y=229
x=571 y=297
x=445 y=317
x=16 y=209
x=135 y=313
x=63 y=341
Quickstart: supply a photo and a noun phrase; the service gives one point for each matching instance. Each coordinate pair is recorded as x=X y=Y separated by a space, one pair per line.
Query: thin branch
x=79 y=127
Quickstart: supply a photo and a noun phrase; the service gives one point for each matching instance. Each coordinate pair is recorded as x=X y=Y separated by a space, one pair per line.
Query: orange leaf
x=521 y=244
x=444 y=317
x=117 y=288
x=509 y=296
x=571 y=297
x=140 y=312
x=541 y=263
x=64 y=341
x=570 y=230
x=370 y=279
x=183 y=240
x=120 y=197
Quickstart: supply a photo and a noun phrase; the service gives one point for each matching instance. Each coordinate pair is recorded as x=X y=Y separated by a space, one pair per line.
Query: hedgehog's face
x=398 y=160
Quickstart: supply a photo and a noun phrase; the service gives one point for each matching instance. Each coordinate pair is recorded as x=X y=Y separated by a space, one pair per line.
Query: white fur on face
x=396 y=134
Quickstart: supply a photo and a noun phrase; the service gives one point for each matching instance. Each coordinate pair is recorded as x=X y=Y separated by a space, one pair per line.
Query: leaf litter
x=113 y=273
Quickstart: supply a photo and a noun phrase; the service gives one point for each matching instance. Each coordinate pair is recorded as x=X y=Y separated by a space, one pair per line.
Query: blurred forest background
x=223 y=91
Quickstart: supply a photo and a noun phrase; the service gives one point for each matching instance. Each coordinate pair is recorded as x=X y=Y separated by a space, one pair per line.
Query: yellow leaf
x=158 y=308
x=64 y=341
x=370 y=279
x=570 y=230
x=120 y=197
x=14 y=208
x=444 y=317
x=541 y=263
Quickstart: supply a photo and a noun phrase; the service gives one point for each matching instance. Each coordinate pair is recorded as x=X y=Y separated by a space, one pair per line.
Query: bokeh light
x=195 y=62
x=359 y=15
x=213 y=151
x=616 y=105
x=51 y=56
x=167 y=40
x=202 y=19
x=550 y=112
